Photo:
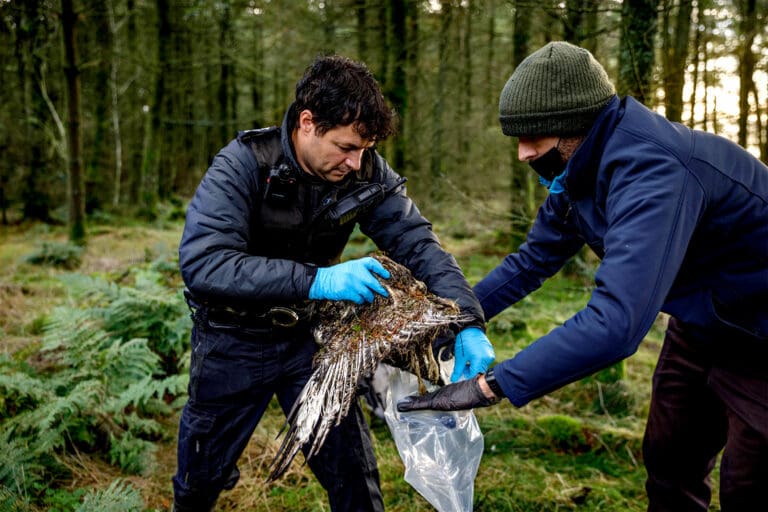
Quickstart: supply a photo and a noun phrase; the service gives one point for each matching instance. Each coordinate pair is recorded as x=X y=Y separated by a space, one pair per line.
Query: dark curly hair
x=340 y=91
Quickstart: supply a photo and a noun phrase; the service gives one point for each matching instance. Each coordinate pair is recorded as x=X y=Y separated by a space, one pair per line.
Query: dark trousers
x=232 y=379
x=707 y=399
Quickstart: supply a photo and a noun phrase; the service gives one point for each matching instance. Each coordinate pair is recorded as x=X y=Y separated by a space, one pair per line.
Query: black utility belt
x=216 y=315
x=277 y=316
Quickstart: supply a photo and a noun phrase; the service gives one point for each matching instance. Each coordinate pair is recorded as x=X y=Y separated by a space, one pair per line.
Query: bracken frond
x=129 y=362
x=149 y=392
x=120 y=496
x=17 y=463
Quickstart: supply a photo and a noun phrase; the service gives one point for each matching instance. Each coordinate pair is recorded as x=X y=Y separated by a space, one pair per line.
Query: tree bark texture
x=76 y=185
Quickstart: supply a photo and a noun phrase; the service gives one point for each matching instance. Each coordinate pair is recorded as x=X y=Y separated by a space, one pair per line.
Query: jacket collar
x=585 y=162
x=285 y=138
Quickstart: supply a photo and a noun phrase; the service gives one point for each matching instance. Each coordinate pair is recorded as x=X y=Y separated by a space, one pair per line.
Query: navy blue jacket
x=222 y=260
x=679 y=219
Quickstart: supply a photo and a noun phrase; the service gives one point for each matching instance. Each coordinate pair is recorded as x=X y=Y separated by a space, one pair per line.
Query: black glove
x=465 y=394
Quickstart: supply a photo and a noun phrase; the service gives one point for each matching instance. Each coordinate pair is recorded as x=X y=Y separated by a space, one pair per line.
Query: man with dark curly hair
x=264 y=236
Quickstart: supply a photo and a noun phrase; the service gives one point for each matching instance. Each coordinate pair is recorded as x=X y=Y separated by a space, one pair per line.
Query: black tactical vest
x=294 y=217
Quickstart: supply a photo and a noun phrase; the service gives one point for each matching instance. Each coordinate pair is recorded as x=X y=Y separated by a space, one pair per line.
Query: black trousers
x=706 y=400
x=233 y=376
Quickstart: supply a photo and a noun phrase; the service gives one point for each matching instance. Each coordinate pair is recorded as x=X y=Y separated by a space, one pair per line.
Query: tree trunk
x=676 y=60
x=580 y=23
x=492 y=95
x=34 y=196
x=412 y=56
x=758 y=121
x=115 y=97
x=466 y=72
x=636 y=50
x=136 y=123
x=746 y=64
x=152 y=140
x=362 y=30
x=76 y=188
x=382 y=74
x=705 y=80
x=764 y=147
x=226 y=89
x=523 y=204
x=398 y=90
x=438 y=114
x=97 y=189
x=695 y=75
x=257 y=78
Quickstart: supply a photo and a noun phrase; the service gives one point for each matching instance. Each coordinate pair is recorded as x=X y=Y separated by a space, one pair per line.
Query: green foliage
x=614 y=373
x=359 y=245
x=613 y=398
x=120 y=496
x=101 y=384
x=63 y=500
x=146 y=310
x=132 y=454
x=18 y=392
x=12 y=501
x=64 y=255
x=564 y=432
x=98 y=382
x=18 y=466
x=560 y=462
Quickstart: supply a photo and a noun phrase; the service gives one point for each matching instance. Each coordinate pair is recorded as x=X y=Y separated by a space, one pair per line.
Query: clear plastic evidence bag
x=441 y=450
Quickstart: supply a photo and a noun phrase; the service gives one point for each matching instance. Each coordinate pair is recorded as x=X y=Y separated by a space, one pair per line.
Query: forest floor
x=579 y=448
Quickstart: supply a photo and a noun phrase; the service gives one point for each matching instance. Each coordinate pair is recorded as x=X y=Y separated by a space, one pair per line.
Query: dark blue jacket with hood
x=679 y=219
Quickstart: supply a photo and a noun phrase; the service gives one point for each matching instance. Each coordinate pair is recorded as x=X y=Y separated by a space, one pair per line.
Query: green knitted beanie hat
x=557 y=90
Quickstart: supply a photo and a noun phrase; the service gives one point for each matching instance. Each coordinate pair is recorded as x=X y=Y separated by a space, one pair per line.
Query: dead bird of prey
x=354 y=339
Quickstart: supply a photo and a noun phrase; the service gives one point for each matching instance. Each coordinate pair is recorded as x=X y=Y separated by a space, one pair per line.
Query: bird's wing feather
x=354 y=339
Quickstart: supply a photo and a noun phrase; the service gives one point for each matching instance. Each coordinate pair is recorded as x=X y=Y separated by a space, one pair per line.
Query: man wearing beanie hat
x=679 y=219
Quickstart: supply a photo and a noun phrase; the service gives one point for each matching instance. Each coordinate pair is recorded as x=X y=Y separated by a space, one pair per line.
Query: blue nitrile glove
x=352 y=280
x=472 y=354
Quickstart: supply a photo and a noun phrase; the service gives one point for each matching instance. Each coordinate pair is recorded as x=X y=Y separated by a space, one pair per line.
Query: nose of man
x=526 y=151
x=354 y=160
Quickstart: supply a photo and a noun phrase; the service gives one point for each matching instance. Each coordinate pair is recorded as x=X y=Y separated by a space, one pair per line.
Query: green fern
x=120 y=496
x=49 y=426
x=17 y=464
x=20 y=392
x=132 y=454
x=90 y=385
x=146 y=310
x=144 y=394
x=161 y=319
x=128 y=363
x=73 y=339
x=12 y=501
x=65 y=255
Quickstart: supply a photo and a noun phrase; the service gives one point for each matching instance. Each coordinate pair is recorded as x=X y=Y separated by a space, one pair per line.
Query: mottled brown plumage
x=354 y=339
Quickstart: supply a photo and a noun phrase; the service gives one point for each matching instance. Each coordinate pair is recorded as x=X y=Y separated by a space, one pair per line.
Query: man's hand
x=473 y=354
x=352 y=280
x=466 y=394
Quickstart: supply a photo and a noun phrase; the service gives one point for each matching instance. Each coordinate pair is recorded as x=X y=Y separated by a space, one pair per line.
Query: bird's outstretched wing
x=354 y=339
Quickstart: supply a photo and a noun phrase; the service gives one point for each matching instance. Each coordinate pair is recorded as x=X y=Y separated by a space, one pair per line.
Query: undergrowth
x=94 y=375
x=104 y=372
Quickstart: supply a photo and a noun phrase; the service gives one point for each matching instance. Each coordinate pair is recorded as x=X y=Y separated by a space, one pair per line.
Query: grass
x=566 y=451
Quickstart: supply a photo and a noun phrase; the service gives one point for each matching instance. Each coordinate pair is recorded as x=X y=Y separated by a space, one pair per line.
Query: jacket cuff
x=310 y=273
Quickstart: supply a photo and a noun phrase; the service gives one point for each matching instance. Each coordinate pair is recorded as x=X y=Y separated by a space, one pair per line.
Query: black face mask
x=549 y=165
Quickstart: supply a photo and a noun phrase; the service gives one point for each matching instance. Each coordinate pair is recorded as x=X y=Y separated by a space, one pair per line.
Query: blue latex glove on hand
x=352 y=280
x=473 y=354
